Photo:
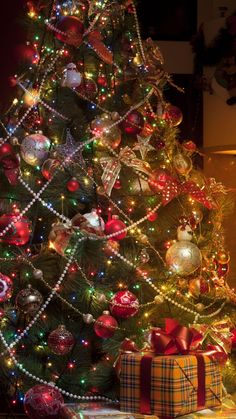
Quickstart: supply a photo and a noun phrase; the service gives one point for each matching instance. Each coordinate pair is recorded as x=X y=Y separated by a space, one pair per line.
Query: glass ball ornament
x=49 y=167
x=61 y=341
x=105 y=325
x=72 y=27
x=34 y=149
x=183 y=258
x=124 y=304
x=182 y=164
x=185 y=233
x=43 y=402
x=223 y=257
x=38 y=274
x=6 y=287
x=198 y=286
x=72 y=185
x=29 y=301
x=158 y=180
x=173 y=115
x=114 y=226
x=19 y=233
x=133 y=123
x=159 y=299
x=88 y=318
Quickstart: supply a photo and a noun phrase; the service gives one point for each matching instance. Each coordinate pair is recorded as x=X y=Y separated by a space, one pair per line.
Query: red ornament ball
x=133 y=123
x=223 y=269
x=105 y=325
x=6 y=287
x=113 y=226
x=158 y=180
x=124 y=304
x=61 y=341
x=73 y=185
x=233 y=339
x=19 y=233
x=43 y=402
x=173 y=115
x=87 y=88
x=117 y=184
x=72 y=27
x=152 y=216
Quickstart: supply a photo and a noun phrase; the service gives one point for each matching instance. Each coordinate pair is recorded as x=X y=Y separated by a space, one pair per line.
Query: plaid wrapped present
x=169 y=386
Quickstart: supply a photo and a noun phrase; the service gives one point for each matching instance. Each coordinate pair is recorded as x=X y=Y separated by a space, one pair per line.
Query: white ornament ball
x=185 y=233
x=88 y=318
x=35 y=148
x=94 y=220
x=72 y=78
x=183 y=257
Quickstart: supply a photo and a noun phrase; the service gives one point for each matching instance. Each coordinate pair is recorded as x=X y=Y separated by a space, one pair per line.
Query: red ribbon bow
x=174 y=188
x=174 y=339
x=10 y=163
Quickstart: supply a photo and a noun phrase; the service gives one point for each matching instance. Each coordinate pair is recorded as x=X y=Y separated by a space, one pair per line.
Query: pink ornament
x=105 y=325
x=43 y=402
x=124 y=304
x=6 y=287
x=61 y=341
x=113 y=226
x=19 y=233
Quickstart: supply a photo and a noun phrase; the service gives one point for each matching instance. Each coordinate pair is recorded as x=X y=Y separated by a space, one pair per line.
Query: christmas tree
x=107 y=225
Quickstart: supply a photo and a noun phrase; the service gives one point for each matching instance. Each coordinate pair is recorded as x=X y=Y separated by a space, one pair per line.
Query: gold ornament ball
x=29 y=300
x=183 y=164
x=159 y=299
x=183 y=258
x=223 y=257
x=199 y=307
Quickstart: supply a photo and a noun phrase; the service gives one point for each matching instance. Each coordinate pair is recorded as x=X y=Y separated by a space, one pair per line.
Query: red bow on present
x=174 y=339
x=10 y=163
x=173 y=188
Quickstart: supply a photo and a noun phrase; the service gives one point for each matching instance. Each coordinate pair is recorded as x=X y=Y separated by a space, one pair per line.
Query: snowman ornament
x=71 y=77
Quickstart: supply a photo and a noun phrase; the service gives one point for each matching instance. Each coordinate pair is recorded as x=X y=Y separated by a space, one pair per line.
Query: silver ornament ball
x=88 y=318
x=34 y=149
x=37 y=274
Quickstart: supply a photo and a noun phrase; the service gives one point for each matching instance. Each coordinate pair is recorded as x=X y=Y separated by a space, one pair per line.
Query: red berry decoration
x=105 y=325
x=124 y=304
x=73 y=185
x=133 y=123
x=6 y=287
x=61 y=341
x=73 y=29
x=158 y=180
x=19 y=233
x=113 y=226
x=43 y=402
x=173 y=115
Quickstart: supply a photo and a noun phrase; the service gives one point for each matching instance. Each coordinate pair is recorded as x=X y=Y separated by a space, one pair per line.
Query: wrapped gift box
x=169 y=386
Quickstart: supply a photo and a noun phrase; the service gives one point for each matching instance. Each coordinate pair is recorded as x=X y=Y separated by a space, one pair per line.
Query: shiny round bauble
x=72 y=185
x=114 y=226
x=233 y=338
x=189 y=146
x=72 y=28
x=183 y=258
x=101 y=298
x=223 y=257
x=61 y=341
x=5 y=149
x=173 y=115
x=117 y=184
x=49 y=167
x=88 y=318
x=19 y=233
x=152 y=216
x=158 y=180
x=28 y=301
x=115 y=116
x=133 y=123
x=198 y=286
x=159 y=299
x=71 y=77
x=200 y=307
x=6 y=287
x=105 y=325
x=197 y=215
x=34 y=149
x=31 y=97
x=111 y=245
x=43 y=402
x=183 y=164
x=184 y=233
x=94 y=220
x=124 y=304
x=87 y=88
x=222 y=269
x=38 y=274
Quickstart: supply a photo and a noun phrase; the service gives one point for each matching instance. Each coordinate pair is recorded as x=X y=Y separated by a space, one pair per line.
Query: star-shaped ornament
x=143 y=146
x=65 y=151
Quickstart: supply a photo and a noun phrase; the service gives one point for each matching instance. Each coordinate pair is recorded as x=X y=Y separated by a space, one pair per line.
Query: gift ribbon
x=112 y=167
x=10 y=163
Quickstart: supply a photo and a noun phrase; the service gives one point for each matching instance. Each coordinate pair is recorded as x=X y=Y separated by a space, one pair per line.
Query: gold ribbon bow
x=112 y=167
